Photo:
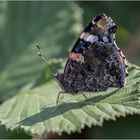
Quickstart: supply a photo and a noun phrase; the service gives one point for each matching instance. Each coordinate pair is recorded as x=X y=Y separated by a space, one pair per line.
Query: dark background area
x=122 y=128
x=56 y=26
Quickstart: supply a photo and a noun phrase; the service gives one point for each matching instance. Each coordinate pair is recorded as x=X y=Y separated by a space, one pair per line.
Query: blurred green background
x=56 y=26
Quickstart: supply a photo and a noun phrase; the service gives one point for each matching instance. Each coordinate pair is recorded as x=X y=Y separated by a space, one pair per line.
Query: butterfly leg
x=87 y=99
x=85 y=96
x=58 y=97
x=57 y=102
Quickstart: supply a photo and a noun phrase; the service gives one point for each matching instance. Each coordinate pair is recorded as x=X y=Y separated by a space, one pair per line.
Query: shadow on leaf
x=45 y=114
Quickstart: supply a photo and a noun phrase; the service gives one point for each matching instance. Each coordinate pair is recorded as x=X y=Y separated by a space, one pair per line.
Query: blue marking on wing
x=80 y=47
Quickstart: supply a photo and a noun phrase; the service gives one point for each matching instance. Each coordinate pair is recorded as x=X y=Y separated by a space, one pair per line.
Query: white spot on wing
x=82 y=35
x=105 y=39
x=122 y=54
x=114 y=36
x=93 y=22
x=91 y=38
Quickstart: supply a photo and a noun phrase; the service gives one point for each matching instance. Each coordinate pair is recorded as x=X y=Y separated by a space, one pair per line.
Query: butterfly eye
x=113 y=29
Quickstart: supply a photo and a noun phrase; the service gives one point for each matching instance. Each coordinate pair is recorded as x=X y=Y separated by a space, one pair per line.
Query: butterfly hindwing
x=100 y=69
x=95 y=62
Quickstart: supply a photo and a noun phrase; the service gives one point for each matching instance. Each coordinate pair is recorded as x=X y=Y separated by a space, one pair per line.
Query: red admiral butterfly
x=95 y=62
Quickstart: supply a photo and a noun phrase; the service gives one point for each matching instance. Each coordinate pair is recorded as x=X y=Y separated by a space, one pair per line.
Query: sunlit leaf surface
x=35 y=111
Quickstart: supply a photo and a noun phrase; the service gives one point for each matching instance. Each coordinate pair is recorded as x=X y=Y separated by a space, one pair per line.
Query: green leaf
x=51 y=24
x=7 y=134
x=31 y=110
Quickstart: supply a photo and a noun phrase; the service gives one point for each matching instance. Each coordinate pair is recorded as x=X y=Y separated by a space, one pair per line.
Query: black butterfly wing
x=100 y=67
x=95 y=62
x=76 y=50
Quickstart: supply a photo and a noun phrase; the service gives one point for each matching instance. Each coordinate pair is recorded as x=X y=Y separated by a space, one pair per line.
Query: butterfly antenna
x=44 y=57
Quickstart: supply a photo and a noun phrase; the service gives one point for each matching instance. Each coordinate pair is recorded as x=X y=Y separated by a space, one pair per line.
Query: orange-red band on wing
x=70 y=55
x=74 y=56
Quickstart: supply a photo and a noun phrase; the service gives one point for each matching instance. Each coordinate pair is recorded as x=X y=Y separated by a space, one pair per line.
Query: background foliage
x=55 y=26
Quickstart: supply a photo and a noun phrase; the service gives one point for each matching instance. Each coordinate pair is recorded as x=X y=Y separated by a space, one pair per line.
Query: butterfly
x=95 y=63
